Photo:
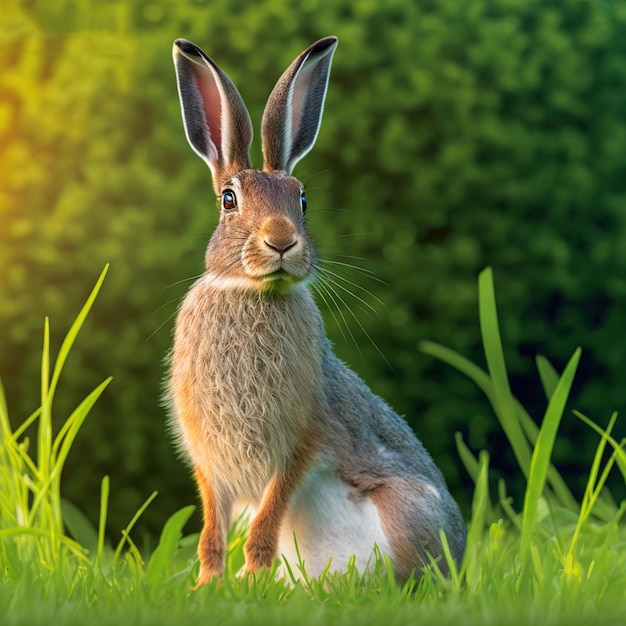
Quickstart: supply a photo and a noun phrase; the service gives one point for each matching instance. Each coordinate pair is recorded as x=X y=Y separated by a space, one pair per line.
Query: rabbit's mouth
x=280 y=274
x=280 y=280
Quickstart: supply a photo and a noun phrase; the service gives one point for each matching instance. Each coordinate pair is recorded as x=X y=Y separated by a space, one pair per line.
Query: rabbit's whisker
x=307 y=182
x=336 y=281
x=164 y=322
x=342 y=236
x=322 y=209
x=169 y=317
x=361 y=270
x=329 y=285
x=179 y=282
x=322 y=288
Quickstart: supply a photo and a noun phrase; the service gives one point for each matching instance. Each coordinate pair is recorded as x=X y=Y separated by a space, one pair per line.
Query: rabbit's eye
x=229 y=200
x=303 y=202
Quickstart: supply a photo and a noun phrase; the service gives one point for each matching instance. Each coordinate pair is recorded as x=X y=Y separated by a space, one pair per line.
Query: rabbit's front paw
x=259 y=553
x=205 y=576
x=211 y=561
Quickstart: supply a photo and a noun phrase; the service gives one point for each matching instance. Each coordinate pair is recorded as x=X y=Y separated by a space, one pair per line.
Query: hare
x=267 y=415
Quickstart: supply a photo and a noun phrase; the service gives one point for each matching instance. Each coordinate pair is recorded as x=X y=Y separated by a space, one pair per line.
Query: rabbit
x=267 y=416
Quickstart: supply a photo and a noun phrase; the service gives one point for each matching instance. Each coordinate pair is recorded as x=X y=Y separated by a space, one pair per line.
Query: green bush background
x=456 y=135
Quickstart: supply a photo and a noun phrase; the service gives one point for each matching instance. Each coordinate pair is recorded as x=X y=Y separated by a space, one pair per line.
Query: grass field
x=555 y=561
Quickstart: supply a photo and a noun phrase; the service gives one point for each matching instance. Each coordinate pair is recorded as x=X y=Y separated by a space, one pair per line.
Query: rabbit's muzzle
x=277 y=251
x=279 y=235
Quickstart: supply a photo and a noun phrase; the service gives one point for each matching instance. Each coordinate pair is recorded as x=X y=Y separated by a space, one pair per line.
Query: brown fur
x=260 y=549
x=212 y=544
x=410 y=514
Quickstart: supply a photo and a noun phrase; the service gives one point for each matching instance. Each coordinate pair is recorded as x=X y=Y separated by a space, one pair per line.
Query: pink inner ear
x=211 y=104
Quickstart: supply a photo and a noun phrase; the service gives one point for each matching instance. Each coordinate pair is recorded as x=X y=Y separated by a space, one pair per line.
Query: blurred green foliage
x=456 y=135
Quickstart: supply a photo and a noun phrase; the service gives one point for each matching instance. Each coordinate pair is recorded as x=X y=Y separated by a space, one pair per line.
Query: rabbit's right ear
x=293 y=113
x=217 y=123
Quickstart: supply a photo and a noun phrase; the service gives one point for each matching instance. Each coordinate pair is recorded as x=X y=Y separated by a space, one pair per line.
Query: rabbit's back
x=377 y=435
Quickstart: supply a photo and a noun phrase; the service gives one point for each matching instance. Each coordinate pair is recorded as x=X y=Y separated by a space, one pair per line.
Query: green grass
x=555 y=561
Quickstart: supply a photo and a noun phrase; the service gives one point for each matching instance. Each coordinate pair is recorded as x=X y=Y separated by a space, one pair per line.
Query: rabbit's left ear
x=217 y=123
x=293 y=113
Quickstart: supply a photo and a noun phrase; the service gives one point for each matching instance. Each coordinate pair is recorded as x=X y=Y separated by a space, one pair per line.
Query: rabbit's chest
x=243 y=386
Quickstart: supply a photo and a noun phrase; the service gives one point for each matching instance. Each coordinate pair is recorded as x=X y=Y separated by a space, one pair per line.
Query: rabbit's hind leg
x=412 y=513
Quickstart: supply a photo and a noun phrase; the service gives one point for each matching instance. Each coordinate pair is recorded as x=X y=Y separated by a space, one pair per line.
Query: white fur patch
x=432 y=490
x=328 y=524
x=229 y=282
x=237 y=282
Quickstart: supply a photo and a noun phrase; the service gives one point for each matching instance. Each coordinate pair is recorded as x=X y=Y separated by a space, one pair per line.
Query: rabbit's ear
x=217 y=123
x=293 y=112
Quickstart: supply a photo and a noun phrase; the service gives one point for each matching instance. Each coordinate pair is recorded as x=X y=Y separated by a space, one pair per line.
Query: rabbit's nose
x=280 y=244
x=279 y=234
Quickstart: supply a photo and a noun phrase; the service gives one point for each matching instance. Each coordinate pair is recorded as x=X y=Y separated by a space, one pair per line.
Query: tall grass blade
x=23 y=427
x=5 y=426
x=102 y=520
x=595 y=484
x=163 y=556
x=470 y=462
x=80 y=527
x=131 y=524
x=49 y=489
x=492 y=344
x=548 y=375
x=44 y=432
x=620 y=455
x=71 y=335
x=555 y=480
x=481 y=509
x=542 y=454
x=506 y=503
x=64 y=440
x=464 y=365
x=26 y=531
